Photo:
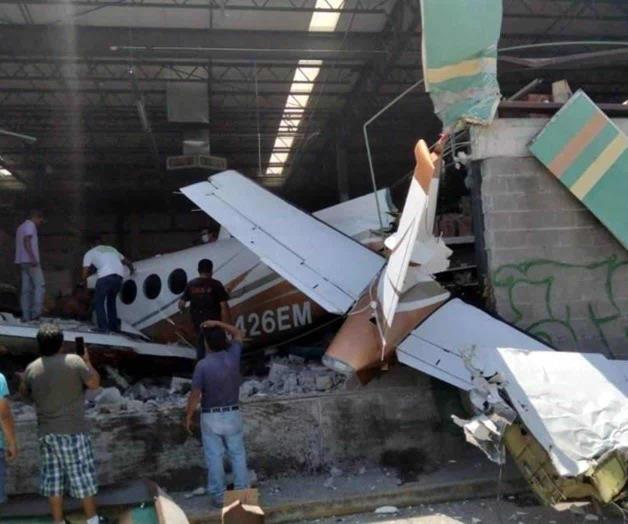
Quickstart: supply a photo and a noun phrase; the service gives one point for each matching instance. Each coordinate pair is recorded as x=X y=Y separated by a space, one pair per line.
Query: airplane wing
x=14 y=332
x=440 y=344
x=328 y=266
x=552 y=392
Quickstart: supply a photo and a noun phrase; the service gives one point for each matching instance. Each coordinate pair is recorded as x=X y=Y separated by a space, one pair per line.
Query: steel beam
x=139 y=43
x=362 y=7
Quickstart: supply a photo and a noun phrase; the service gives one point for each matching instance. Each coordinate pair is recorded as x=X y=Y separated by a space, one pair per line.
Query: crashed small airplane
x=567 y=445
x=264 y=305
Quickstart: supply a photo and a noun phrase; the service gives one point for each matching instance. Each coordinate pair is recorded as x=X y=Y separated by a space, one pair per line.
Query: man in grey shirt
x=56 y=382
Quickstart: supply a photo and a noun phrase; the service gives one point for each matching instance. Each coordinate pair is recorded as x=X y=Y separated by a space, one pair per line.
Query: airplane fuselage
x=268 y=308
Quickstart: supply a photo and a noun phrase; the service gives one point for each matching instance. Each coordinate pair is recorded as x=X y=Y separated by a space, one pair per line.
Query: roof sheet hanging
x=460 y=59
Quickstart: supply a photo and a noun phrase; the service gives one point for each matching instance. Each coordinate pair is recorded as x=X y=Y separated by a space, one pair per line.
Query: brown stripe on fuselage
x=574 y=147
x=279 y=290
x=234 y=283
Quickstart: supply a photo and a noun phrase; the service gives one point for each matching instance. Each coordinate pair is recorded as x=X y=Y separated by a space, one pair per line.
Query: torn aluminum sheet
x=575 y=404
x=321 y=262
x=588 y=153
x=486 y=430
x=459 y=51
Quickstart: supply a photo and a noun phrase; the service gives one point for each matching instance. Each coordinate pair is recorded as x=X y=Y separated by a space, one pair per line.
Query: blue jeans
x=223 y=431
x=107 y=289
x=33 y=290
x=3 y=478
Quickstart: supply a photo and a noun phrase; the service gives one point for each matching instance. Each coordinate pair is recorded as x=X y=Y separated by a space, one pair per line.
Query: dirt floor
x=517 y=510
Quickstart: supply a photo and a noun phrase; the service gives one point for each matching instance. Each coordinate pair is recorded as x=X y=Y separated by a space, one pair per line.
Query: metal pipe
x=564 y=44
x=259 y=136
x=368 y=146
x=349 y=52
x=526 y=89
x=25 y=138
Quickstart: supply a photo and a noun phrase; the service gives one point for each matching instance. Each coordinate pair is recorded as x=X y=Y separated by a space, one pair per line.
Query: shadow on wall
x=566 y=304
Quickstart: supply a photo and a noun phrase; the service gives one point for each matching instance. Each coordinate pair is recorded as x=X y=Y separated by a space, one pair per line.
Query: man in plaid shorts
x=56 y=382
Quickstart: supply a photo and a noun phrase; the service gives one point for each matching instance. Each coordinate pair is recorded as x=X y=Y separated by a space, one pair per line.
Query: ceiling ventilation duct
x=188 y=104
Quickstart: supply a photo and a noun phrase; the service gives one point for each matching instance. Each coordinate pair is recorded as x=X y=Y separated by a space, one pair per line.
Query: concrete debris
x=138 y=392
x=475 y=520
x=296 y=359
x=180 y=385
x=198 y=492
x=115 y=376
x=590 y=516
x=362 y=470
x=324 y=383
x=109 y=396
x=292 y=376
x=329 y=483
x=22 y=411
x=336 y=472
x=288 y=376
x=387 y=510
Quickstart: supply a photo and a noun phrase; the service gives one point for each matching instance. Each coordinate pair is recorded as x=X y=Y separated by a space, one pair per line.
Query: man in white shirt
x=27 y=257
x=108 y=264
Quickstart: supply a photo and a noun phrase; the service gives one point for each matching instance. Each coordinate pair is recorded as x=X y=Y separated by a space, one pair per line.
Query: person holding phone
x=56 y=382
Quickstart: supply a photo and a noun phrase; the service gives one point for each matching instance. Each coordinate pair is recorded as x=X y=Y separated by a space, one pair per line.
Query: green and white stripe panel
x=588 y=153
x=460 y=40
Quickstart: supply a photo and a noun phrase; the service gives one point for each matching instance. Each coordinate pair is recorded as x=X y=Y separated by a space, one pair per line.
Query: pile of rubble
x=291 y=376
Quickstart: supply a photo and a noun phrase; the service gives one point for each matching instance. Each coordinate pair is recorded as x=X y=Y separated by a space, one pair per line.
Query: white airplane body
x=265 y=305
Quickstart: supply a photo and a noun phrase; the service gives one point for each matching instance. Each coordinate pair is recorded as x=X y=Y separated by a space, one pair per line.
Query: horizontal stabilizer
x=328 y=266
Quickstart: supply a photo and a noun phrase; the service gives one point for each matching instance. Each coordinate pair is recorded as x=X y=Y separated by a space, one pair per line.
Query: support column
x=342 y=175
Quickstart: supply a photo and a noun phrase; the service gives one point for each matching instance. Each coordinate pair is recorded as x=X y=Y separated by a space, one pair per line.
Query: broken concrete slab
x=109 y=396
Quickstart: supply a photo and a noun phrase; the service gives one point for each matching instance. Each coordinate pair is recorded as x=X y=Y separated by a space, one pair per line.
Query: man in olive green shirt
x=56 y=382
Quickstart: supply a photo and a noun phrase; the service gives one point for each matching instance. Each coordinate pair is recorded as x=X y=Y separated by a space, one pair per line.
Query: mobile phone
x=79 y=346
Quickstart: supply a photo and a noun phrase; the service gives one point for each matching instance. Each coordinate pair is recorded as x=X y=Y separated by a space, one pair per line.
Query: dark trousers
x=200 y=345
x=107 y=289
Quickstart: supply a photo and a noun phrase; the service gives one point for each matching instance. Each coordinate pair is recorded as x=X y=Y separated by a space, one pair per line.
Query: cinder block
x=528 y=183
x=497 y=221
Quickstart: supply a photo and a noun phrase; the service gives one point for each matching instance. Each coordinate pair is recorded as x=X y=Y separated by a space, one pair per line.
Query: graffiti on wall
x=559 y=302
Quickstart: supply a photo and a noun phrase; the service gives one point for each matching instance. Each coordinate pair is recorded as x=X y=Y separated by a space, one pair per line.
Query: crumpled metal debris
x=493 y=415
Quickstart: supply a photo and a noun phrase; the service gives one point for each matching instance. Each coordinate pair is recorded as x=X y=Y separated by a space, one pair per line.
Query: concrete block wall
x=283 y=436
x=554 y=269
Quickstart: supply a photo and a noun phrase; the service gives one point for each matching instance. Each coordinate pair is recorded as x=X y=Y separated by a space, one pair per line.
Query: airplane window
x=177 y=281
x=129 y=292
x=152 y=286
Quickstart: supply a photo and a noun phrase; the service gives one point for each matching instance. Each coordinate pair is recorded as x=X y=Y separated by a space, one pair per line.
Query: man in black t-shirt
x=208 y=301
